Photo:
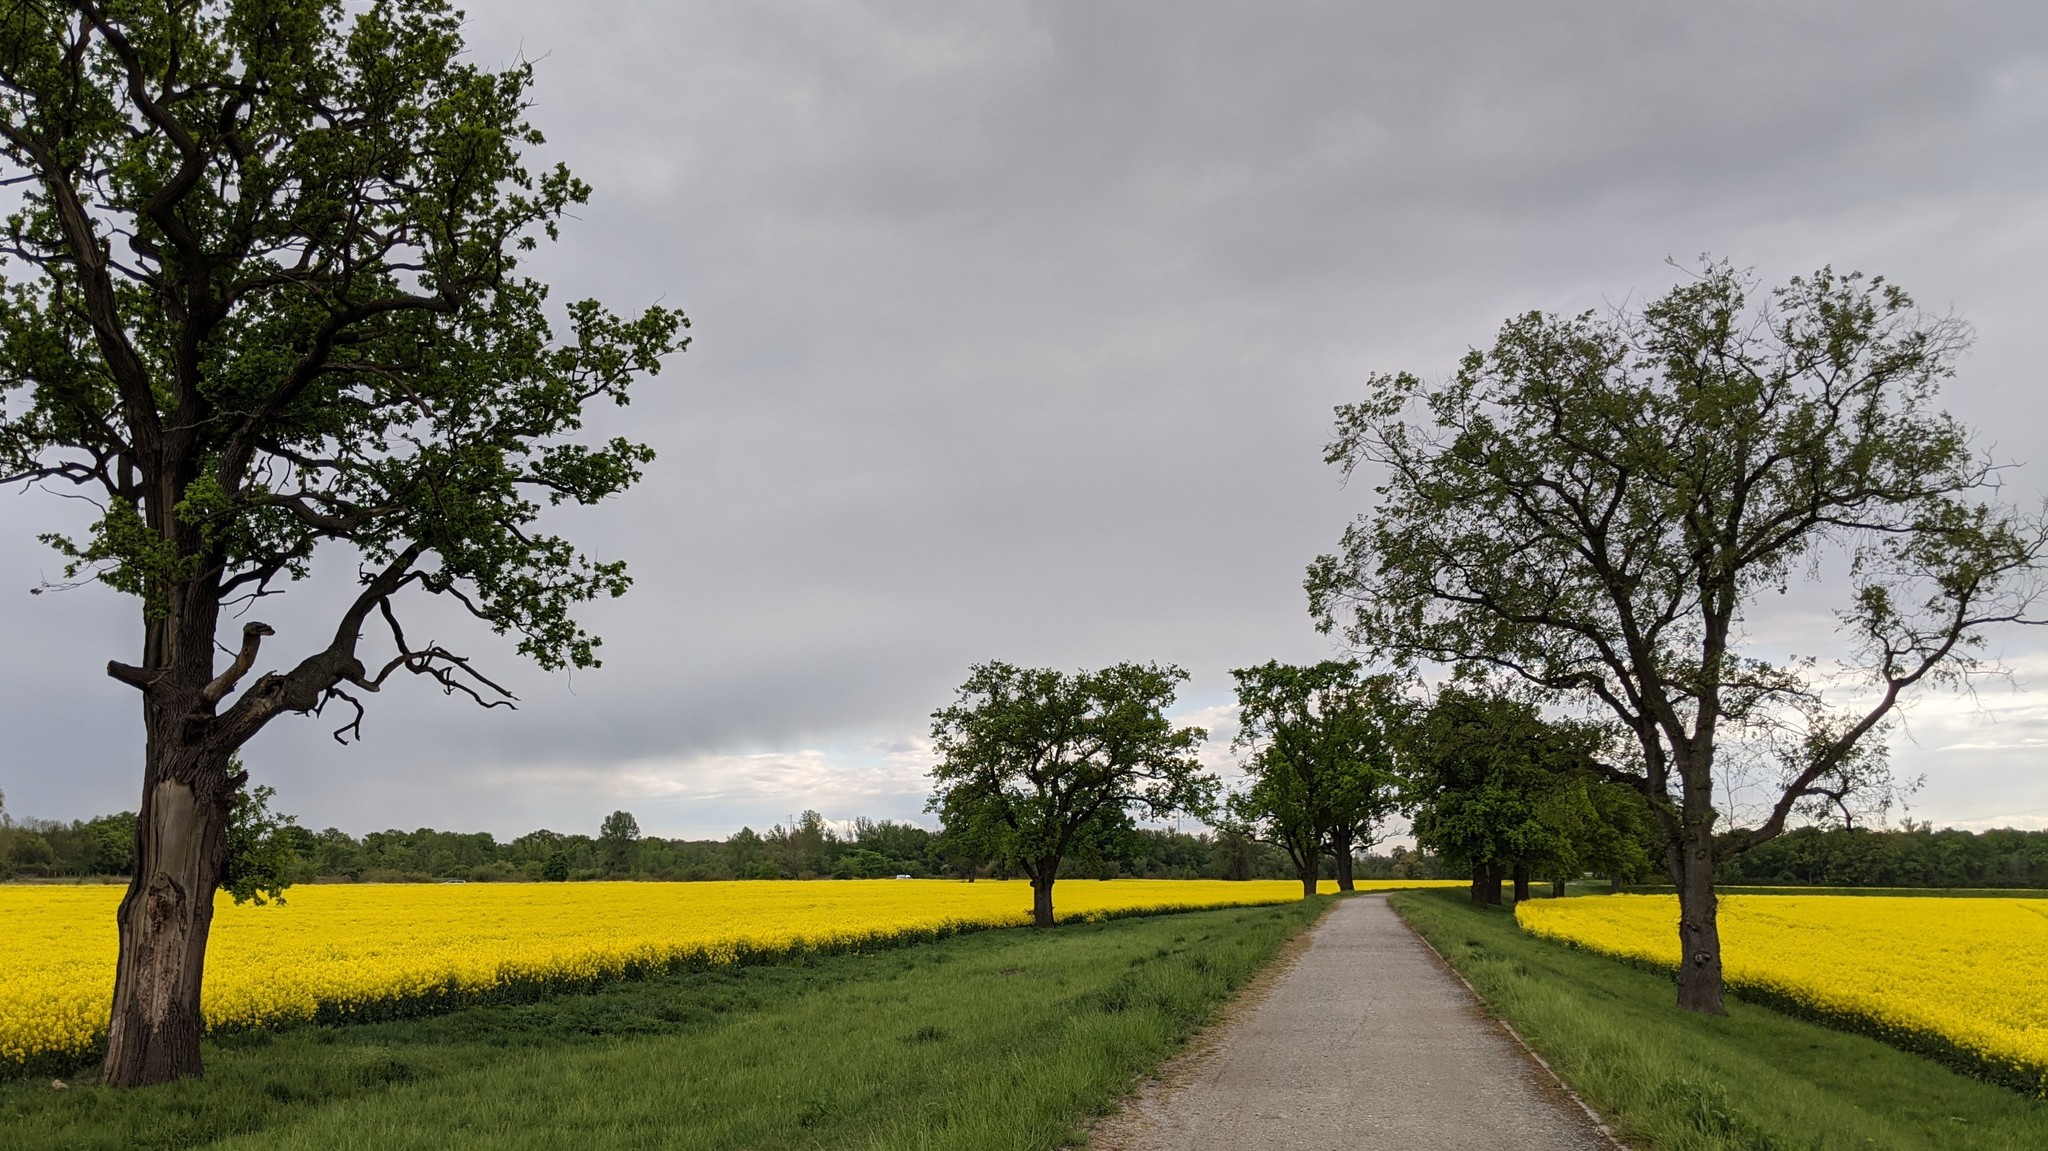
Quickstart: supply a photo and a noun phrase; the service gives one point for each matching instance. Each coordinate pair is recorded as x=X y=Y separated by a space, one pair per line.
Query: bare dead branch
x=252 y=638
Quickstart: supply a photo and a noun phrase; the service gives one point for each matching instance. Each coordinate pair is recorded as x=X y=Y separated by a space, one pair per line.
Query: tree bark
x=1614 y=884
x=1041 y=895
x=1557 y=889
x=1495 y=873
x=1308 y=873
x=1343 y=861
x=155 y=1026
x=1699 y=929
x=1698 y=922
x=1521 y=882
x=1479 y=873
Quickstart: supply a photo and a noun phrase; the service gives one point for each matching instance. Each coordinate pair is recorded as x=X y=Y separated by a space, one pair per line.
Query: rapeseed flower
x=352 y=951
x=1962 y=979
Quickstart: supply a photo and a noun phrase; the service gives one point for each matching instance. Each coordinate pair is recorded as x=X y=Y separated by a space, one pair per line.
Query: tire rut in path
x=1364 y=1042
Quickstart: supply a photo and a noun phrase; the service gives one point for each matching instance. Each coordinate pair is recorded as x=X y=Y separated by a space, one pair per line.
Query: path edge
x=1592 y=1116
x=1171 y=1075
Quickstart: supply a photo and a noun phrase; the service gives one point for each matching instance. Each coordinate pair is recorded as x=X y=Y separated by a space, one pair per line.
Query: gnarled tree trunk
x=154 y=1030
x=181 y=842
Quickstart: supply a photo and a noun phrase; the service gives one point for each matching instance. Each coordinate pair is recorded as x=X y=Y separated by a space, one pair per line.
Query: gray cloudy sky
x=1017 y=332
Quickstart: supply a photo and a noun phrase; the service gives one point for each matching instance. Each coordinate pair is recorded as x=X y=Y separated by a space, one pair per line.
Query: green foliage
x=262 y=861
x=1615 y=834
x=1235 y=850
x=1492 y=783
x=861 y=863
x=1403 y=863
x=617 y=837
x=804 y=848
x=880 y=1049
x=1594 y=504
x=1034 y=763
x=263 y=295
x=103 y=847
x=107 y=845
x=29 y=851
x=1322 y=771
x=619 y=827
x=1913 y=856
x=905 y=847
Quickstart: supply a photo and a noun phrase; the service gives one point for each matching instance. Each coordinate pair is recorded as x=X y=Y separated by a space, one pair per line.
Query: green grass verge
x=999 y=1039
x=1755 y=1080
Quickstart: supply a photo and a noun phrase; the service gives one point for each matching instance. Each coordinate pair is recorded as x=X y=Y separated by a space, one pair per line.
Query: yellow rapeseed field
x=1967 y=974
x=342 y=951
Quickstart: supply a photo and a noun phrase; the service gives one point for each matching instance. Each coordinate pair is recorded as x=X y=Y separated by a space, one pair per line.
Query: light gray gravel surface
x=1365 y=1042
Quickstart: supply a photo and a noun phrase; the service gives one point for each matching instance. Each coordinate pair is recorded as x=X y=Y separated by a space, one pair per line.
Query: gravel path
x=1364 y=1042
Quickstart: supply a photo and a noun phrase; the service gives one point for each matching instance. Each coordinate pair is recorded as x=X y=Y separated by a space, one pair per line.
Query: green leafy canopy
x=1320 y=744
x=1493 y=783
x=1035 y=762
x=1594 y=504
x=261 y=862
x=262 y=293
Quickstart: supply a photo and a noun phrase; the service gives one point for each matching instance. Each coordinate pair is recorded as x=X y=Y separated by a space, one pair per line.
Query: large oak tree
x=1320 y=766
x=1596 y=504
x=1035 y=762
x=262 y=296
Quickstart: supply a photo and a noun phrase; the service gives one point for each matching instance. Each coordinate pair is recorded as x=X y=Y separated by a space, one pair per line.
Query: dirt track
x=1365 y=1042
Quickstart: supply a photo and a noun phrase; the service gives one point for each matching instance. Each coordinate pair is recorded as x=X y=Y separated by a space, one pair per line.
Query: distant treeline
x=1916 y=856
x=809 y=848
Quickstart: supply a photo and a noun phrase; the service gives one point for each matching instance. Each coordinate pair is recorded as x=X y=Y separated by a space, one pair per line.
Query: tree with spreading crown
x=262 y=300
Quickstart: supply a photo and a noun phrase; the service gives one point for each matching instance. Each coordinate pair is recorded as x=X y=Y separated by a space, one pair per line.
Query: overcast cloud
x=1018 y=328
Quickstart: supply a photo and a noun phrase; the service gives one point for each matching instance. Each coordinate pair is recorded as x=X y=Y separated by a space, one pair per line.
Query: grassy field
x=1755 y=1080
x=1001 y=1039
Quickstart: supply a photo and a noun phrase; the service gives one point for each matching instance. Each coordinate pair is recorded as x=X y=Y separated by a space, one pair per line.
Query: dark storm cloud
x=1019 y=326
